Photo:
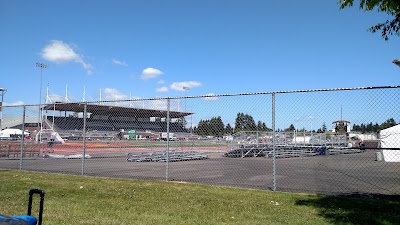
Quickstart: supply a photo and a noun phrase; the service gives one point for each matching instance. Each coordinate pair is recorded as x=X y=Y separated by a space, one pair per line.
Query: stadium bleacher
x=72 y=126
x=67 y=123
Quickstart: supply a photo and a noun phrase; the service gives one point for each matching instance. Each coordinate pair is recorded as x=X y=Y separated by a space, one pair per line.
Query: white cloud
x=180 y=86
x=211 y=98
x=59 y=52
x=121 y=63
x=161 y=82
x=162 y=89
x=150 y=73
x=17 y=103
x=111 y=94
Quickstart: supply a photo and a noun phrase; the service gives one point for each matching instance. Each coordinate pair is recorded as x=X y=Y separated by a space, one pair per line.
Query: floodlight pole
x=185 y=88
x=3 y=92
x=41 y=66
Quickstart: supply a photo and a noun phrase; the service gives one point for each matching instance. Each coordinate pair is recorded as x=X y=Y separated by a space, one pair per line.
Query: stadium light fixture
x=41 y=66
x=396 y=62
x=185 y=88
x=2 y=92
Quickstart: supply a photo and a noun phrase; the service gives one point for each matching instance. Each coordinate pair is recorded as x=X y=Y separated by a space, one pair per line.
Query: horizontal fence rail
x=328 y=141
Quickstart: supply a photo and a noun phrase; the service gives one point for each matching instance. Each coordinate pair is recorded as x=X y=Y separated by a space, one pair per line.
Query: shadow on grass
x=357 y=208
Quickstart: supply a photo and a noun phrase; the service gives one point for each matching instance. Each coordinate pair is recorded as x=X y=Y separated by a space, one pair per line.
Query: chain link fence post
x=84 y=139
x=22 y=139
x=168 y=123
x=273 y=144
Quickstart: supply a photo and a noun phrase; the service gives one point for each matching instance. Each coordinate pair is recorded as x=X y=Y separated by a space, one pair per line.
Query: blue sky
x=153 y=48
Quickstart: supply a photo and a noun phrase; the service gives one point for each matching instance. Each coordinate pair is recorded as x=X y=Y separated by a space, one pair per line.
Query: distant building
x=341 y=127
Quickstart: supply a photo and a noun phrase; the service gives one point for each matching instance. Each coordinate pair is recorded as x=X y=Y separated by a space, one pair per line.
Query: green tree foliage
x=261 y=126
x=228 y=129
x=390 y=7
x=291 y=128
x=373 y=128
x=324 y=128
x=212 y=127
x=215 y=126
x=244 y=122
x=388 y=123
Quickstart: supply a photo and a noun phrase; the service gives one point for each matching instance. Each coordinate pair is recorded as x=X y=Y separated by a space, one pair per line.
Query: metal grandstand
x=97 y=109
x=107 y=121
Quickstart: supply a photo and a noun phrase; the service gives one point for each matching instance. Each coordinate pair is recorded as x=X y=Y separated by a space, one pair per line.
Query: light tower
x=186 y=89
x=41 y=66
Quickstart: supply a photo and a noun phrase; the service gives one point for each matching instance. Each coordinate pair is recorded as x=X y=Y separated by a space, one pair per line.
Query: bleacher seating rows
x=73 y=123
x=67 y=123
x=99 y=125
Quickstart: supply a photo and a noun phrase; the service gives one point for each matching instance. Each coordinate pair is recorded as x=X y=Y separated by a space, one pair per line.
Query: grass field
x=88 y=200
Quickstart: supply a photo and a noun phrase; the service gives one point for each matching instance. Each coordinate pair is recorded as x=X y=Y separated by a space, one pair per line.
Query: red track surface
x=117 y=147
x=76 y=148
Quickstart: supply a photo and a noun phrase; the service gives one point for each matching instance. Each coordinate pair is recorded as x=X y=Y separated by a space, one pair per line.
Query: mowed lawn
x=89 y=200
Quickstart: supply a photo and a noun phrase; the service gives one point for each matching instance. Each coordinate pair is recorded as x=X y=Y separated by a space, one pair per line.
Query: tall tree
x=324 y=128
x=202 y=128
x=261 y=126
x=388 y=123
x=244 y=122
x=291 y=128
x=212 y=127
x=239 y=122
x=217 y=126
x=228 y=129
x=390 y=7
x=250 y=123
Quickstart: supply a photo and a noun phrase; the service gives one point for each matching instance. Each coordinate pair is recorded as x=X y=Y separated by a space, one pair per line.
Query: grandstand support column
x=84 y=139
x=273 y=144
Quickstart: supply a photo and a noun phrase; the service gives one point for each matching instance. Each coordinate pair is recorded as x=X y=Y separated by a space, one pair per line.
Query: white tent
x=13 y=132
x=390 y=138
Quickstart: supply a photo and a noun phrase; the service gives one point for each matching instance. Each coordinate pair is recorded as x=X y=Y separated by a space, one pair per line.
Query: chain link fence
x=331 y=141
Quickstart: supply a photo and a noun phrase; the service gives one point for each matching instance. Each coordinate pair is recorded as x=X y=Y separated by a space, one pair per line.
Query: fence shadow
x=357 y=208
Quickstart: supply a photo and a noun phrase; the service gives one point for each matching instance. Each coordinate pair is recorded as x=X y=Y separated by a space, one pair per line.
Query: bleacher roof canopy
x=97 y=109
